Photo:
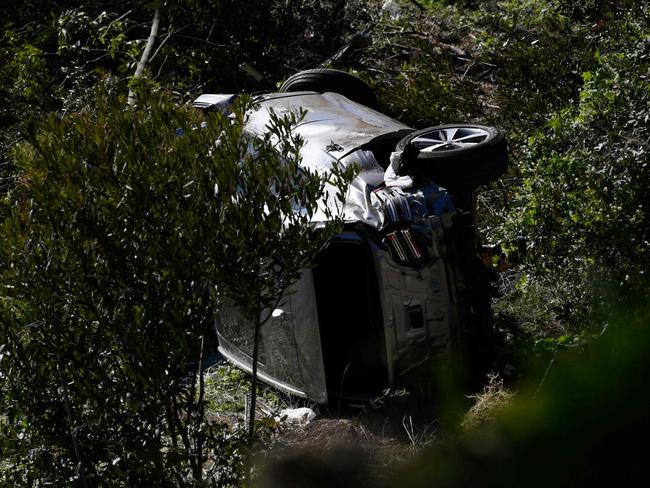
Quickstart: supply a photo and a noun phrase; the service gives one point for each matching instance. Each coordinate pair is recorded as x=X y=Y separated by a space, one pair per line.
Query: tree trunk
x=199 y=420
x=256 y=351
x=144 y=59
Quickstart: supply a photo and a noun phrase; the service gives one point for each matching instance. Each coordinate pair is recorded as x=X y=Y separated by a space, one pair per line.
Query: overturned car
x=402 y=284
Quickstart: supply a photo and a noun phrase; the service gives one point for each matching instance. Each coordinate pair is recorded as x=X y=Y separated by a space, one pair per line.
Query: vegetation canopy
x=124 y=229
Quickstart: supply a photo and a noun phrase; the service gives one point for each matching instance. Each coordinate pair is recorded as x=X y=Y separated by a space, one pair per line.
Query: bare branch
x=118 y=19
x=169 y=34
x=155 y=24
x=194 y=38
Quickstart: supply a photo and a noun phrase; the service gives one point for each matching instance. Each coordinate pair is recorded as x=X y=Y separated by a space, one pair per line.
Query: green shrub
x=537 y=55
x=414 y=71
x=118 y=243
x=582 y=203
x=110 y=259
x=576 y=425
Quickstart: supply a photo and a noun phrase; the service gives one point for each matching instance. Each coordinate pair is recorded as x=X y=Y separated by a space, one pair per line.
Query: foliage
x=415 y=68
x=582 y=420
x=126 y=228
x=109 y=248
x=544 y=306
x=90 y=232
x=50 y=61
x=227 y=389
x=575 y=423
x=538 y=58
x=582 y=203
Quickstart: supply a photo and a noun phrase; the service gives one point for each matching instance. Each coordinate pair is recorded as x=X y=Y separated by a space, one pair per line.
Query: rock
x=298 y=416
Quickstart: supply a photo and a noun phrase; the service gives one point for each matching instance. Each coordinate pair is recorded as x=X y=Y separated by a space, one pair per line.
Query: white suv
x=402 y=283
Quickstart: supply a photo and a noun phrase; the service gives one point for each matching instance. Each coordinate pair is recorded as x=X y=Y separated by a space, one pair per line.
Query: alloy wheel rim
x=450 y=138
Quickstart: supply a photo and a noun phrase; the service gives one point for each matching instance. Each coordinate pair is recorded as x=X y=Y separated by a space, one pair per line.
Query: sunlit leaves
x=118 y=253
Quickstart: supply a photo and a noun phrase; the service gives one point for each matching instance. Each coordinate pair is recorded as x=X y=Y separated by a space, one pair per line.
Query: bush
x=583 y=204
x=126 y=229
x=537 y=54
x=576 y=426
x=110 y=260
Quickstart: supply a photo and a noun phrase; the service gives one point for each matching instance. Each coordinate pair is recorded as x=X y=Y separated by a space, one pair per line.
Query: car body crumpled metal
x=381 y=297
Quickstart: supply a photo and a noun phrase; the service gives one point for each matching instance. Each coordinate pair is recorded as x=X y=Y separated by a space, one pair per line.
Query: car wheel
x=323 y=80
x=455 y=156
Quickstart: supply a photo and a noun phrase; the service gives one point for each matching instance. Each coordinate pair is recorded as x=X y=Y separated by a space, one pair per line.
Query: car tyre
x=455 y=156
x=331 y=80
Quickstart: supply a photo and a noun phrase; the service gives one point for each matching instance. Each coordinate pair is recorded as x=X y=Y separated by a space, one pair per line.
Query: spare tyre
x=455 y=156
x=323 y=80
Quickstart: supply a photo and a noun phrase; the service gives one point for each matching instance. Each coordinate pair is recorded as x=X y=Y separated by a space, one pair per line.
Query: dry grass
x=376 y=455
x=492 y=400
x=377 y=441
